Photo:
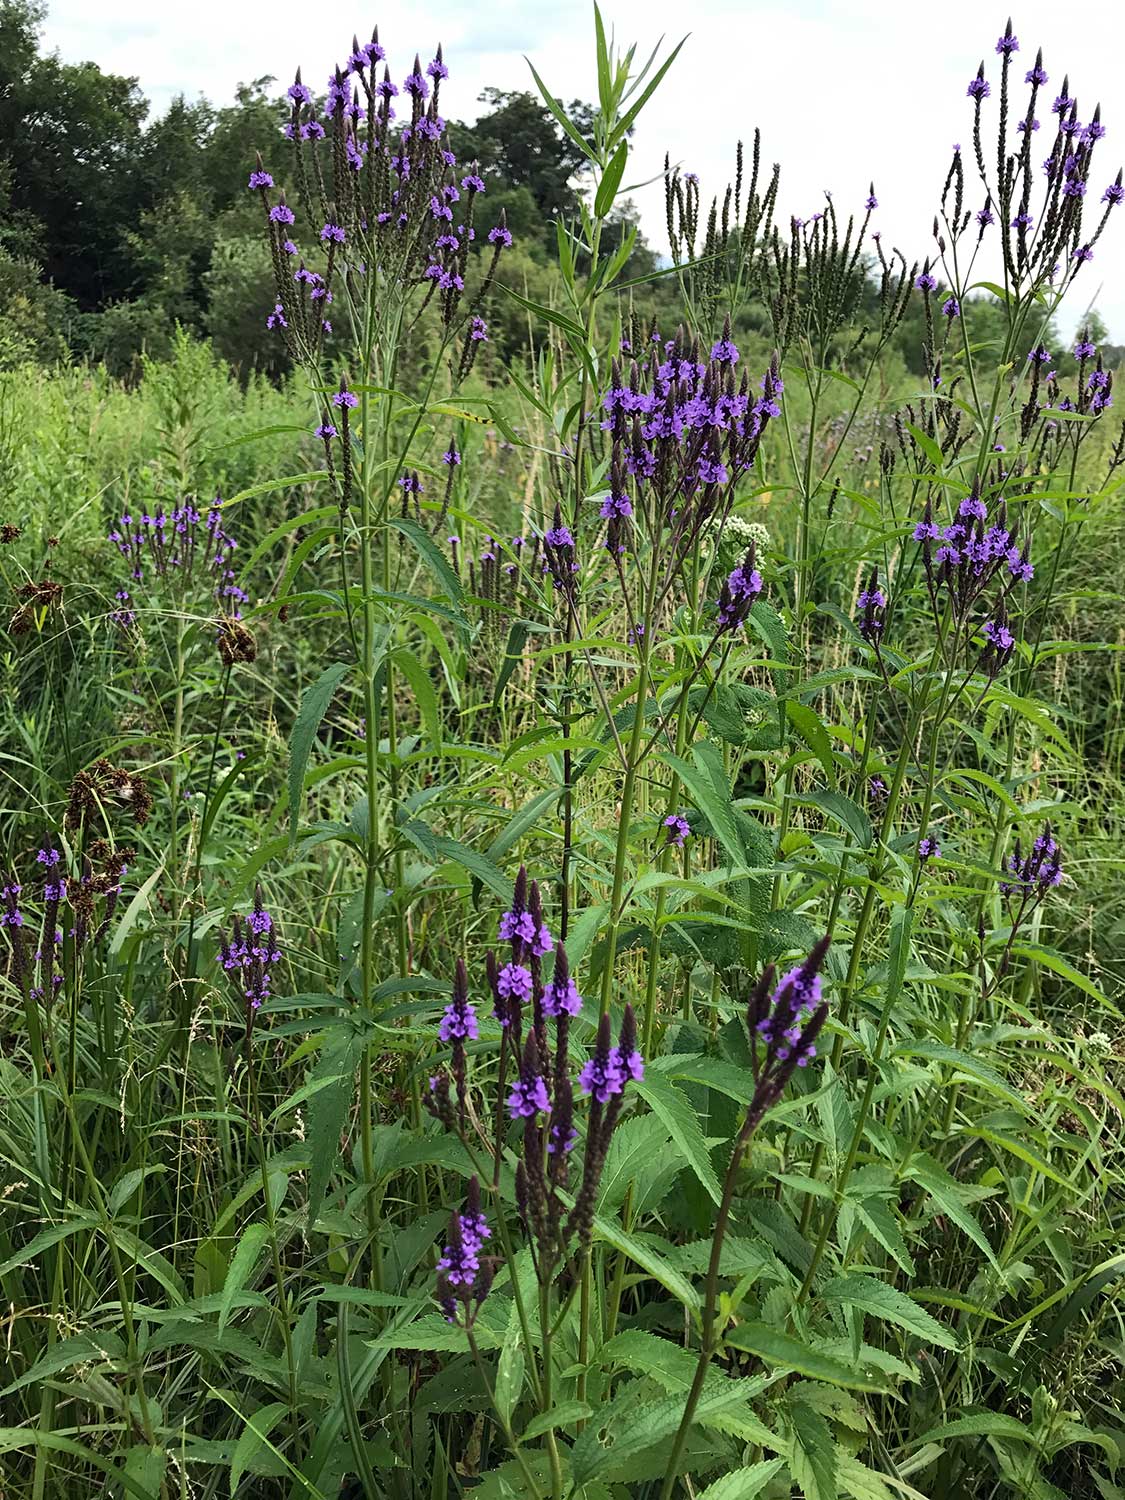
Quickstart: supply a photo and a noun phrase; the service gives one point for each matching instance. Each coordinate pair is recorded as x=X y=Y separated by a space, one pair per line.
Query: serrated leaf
x=778 y=1348
x=242 y=1265
x=812 y=1461
x=808 y=724
x=844 y=812
x=252 y=1439
x=743 y=1484
x=333 y=1072
x=673 y=1107
x=889 y=1304
x=314 y=705
x=565 y=1414
x=880 y=1221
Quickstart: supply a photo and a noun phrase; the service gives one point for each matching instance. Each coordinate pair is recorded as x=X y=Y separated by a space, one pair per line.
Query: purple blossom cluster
x=1032 y=875
x=534 y=1085
x=185 y=545
x=374 y=188
x=783 y=1022
x=464 y=1274
x=684 y=428
x=679 y=829
x=964 y=557
x=249 y=956
x=870 y=605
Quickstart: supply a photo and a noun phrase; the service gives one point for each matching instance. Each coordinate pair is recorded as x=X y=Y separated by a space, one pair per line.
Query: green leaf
x=561 y=116
x=432 y=555
x=962 y=1062
x=981 y=1424
x=809 y=726
x=673 y=1107
x=842 y=810
x=46 y=1238
x=314 y=705
x=422 y=686
x=880 y=1221
x=647 y=1354
x=439 y=848
x=513 y=655
x=131 y=913
x=743 y=1484
x=333 y=1071
x=611 y=181
x=889 y=1304
x=1049 y=959
x=82 y=1349
x=268 y=486
x=778 y=1348
x=649 y=1259
x=252 y=1439
x=565 y=1414
x=927 y=445
x=509 y=1369
x=813 y=1459
x=242 y=1265
x=946 y=1193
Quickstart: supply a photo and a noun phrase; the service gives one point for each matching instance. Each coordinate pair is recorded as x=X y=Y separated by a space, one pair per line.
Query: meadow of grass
x=604 y=639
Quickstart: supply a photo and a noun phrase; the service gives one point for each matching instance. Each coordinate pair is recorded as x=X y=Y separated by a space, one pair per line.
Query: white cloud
x=844 y=91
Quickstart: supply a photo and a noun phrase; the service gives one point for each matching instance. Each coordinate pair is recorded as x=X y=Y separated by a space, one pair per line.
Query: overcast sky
x=844 y=91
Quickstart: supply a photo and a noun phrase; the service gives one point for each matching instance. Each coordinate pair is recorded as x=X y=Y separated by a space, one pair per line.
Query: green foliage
x=900 y=1273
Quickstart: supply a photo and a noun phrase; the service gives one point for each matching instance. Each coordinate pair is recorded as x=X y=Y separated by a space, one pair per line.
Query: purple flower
x=299 y=92
x=928 y=849
x=459 y=1023
x=515 y=982
x=603 y=1077
x=979 y=88
x=1023 y=221
x=926 y=531
x=1084 y=349
x=281 y=213
x=326 y=431
x=332 y=233
x=951 y=307
x=999 y=636
x=925 y=282
x=260 y=179
x=478 y=331
x=415 y=84
x=528 y=1098
x=1114 y=193
x=561 y=996
x=1007 y=43
x=500 y=236
x=784 y=1020
x=347 y=399
x=871 y=202
x=724 y=352
x=616 y=505
x=679 y=829
x=1083 y=254
x=559 y=536
x=1036 y=75
x=437 y=69
x=249 y=954
x=985 y=217
x=742 y=587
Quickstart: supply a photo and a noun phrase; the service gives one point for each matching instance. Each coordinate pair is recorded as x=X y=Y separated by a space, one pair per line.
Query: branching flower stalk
x=783 y=1027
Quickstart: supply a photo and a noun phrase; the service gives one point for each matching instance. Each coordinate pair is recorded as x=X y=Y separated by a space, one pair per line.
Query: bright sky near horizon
x=844 y=91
